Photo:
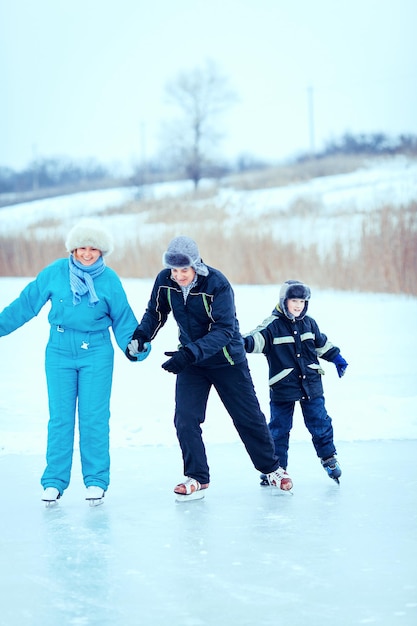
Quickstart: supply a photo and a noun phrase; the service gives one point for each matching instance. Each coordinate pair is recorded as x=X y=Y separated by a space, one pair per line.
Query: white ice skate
x=280 y=479
x=50 y=496
x=190 y=489
x=94 y=495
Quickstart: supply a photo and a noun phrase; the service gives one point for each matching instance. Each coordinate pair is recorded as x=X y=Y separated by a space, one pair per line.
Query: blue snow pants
x=234 y=385
x=316 y=419
x=79 y=369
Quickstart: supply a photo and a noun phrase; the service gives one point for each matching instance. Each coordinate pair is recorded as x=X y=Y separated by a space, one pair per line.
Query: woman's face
x=87 y=255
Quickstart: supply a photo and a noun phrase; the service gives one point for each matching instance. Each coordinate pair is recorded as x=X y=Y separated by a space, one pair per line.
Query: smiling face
x=183 y=275
x=295 y=306
x=87 y=255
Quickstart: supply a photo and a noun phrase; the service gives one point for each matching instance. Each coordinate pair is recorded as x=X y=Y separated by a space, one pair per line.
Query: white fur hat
x=89 y=232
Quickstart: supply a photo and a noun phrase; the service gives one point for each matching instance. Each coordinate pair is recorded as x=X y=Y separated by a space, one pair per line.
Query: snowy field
x=338 y=207
x=243 y=555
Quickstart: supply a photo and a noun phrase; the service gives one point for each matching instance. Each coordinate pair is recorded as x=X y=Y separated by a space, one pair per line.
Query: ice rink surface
x=243 y=555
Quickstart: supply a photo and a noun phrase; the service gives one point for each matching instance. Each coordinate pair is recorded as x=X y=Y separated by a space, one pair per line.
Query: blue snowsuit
x=79 y=366
x=208 y=327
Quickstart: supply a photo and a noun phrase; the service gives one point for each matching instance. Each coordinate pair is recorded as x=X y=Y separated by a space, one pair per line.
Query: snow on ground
x=321 y=211
x=391 y=181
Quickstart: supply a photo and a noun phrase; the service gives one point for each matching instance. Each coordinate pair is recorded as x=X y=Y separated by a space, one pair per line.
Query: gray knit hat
x=89 y=232
x=183 y=252
x=293 y=289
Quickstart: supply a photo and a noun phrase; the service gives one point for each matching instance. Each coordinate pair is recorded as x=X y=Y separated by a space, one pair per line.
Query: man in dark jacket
x=211 y=353
x=292 y=343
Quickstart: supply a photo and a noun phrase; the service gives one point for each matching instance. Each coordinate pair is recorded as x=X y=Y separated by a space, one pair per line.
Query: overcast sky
x=86 y=78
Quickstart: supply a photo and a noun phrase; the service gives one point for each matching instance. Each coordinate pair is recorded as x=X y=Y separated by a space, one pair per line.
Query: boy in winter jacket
x=210 y=354
x=293 y=343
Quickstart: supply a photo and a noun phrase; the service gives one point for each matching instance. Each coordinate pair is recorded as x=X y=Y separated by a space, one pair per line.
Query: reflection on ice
x=243 y=555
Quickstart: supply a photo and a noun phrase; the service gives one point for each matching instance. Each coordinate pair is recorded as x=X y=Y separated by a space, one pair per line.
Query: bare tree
x=201 y=95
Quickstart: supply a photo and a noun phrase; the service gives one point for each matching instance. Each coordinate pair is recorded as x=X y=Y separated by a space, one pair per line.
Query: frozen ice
x=245 y=554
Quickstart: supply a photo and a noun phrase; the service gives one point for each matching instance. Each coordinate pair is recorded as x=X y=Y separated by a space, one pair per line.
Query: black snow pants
x=234 y=385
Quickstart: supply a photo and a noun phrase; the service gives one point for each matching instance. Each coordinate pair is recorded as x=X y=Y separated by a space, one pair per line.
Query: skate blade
x=50 y=503
x=275 y=491
x=95 y=501
x=196 y=495
x=282 y=492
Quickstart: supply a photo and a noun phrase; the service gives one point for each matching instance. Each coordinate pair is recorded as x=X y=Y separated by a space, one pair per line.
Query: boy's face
x=295 y=306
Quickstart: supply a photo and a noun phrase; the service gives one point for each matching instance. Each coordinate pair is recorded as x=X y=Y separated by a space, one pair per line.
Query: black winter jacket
x=207 y=321
x=292 y=348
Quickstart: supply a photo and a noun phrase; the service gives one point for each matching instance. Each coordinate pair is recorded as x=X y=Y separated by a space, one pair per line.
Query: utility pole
x=35 y=173
x=143 y=152
x=310 y=97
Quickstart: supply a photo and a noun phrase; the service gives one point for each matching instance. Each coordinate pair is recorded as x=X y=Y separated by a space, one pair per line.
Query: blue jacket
x=207 y=321
x=292 y=348
x=52 y=284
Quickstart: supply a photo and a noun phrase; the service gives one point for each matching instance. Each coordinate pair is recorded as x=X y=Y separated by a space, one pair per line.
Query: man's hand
x=179 y=360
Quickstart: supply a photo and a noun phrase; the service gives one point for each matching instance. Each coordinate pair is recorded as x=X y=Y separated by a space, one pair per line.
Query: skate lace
x=278 y=475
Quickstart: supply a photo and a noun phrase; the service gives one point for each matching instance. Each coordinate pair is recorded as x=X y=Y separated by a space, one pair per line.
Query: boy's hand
x=340 y=364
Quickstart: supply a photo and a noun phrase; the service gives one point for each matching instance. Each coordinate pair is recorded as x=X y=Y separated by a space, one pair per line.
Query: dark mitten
x=140 y=338
x=341 y=364
x=249 y=343
x=178 y=361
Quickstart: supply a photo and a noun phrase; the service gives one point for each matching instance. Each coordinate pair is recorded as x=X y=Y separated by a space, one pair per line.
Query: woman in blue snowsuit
x=292 y=343
x=86 y=298
x=211 y=353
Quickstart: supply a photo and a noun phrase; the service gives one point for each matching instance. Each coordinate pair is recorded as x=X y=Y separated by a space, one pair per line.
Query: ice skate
x=95 y=495
x=50 y=496
x=264 y=480
x=190 y=489
x=332 y=468
x=280 y=479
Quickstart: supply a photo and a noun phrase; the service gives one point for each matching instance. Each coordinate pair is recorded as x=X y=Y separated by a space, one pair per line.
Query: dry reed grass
x=386 y=259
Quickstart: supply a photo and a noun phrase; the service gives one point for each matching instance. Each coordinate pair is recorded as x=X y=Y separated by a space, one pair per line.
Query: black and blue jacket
x=207 y=322
x=292 y=348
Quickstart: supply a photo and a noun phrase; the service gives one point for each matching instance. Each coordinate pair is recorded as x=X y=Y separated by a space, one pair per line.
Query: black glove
x=249 y=343
x=341 y=365
x=178 y=361
x=140 y=338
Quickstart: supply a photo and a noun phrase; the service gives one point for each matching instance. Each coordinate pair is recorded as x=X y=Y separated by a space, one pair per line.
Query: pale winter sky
x=86 y=78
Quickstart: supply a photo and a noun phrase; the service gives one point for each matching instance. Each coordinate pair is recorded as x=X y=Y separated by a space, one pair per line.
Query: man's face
x=183 y=275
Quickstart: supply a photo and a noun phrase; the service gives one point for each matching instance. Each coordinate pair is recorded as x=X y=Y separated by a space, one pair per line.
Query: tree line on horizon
x=58 y=172
x=189 y=139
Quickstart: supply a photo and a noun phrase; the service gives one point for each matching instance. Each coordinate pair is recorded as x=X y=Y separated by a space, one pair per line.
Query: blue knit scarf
x=82 y=279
